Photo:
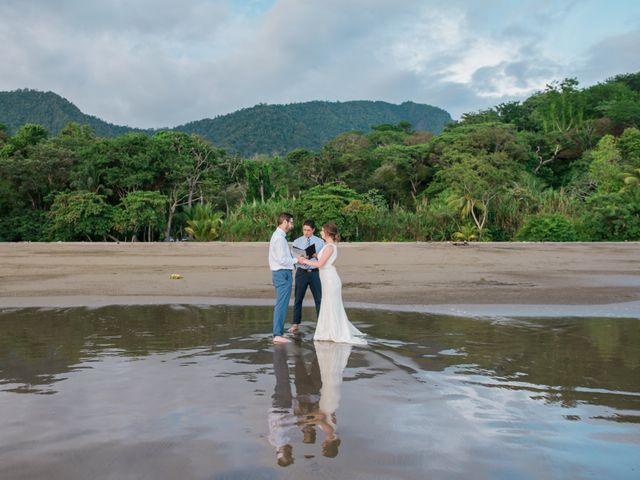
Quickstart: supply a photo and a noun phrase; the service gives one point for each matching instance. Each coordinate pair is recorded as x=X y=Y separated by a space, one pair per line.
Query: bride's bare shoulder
x=327 y=249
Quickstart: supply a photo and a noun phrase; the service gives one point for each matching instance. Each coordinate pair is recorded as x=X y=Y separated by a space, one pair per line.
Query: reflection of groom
x=281 y=263
x=281 y=417
x=306 y=276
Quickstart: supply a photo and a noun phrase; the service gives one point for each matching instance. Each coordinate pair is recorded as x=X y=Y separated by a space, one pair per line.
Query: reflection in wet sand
x=281 y=417
x=333 y=358
x=183 y=392
x=317 y=397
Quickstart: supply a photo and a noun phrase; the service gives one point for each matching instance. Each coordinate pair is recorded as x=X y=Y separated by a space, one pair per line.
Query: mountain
x=268 y=129
x=276 y=129
x=51 y=111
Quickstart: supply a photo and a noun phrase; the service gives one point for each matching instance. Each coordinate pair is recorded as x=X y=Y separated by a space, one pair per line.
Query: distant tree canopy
x=562 y=165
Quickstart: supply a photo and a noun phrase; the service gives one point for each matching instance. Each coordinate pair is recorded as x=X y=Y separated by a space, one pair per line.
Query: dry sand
x=401 y=274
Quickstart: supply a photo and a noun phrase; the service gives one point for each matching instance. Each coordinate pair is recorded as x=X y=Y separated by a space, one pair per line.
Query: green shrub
x=28 y=227
x=613 y=216
x=255 y=221
x=548 y=227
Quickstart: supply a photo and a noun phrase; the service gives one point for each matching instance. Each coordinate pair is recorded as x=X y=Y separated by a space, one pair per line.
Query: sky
x=161 y=63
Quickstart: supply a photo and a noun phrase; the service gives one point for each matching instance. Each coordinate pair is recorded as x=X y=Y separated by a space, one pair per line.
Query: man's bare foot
x=294 y=328
x=279 y=339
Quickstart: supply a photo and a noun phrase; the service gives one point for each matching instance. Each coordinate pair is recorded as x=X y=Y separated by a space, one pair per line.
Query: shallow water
x=160 y=392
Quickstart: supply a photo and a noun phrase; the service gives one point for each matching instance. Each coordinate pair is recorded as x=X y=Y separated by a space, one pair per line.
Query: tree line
x=562 y=165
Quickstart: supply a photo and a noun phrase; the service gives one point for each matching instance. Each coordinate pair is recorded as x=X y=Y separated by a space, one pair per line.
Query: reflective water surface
x=176 y=392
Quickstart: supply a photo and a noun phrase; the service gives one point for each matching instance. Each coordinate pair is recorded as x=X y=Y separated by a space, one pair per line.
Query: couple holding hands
x=317 y=272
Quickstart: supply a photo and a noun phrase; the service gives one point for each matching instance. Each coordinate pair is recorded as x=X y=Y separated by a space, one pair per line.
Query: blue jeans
x=282 y=281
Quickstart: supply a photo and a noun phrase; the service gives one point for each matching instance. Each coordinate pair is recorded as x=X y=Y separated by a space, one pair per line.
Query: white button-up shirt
x=279 y=254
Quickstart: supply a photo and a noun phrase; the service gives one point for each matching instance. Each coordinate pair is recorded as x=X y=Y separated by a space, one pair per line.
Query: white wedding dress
x=333 y=324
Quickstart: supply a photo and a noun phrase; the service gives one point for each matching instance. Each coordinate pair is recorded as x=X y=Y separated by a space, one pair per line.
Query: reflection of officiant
x=332 y=359
x=308 y=386
x=281 y=417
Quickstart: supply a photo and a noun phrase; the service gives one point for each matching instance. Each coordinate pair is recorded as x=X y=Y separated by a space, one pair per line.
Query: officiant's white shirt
x=280 y=257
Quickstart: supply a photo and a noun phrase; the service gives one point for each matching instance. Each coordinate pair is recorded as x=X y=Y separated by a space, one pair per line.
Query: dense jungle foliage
x=563 y=165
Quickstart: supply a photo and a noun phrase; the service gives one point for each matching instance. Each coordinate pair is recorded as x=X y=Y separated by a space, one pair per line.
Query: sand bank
x=481 y=278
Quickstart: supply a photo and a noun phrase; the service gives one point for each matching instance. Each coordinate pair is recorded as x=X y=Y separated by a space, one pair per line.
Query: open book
x=307 y=252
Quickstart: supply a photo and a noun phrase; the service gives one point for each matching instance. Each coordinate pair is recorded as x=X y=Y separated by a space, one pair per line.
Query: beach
x=385 y=275
x=144 y=378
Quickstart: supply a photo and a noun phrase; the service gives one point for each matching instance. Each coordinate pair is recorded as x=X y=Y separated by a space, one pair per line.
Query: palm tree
x=470 y=207
x=467 y=233
x=203 y=222
x=91 y=182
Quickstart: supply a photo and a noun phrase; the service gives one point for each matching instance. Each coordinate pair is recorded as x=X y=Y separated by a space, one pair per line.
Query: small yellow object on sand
x=175 y=276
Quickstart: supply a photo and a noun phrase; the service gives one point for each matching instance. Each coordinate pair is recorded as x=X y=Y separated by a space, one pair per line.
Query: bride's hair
x=331 y=230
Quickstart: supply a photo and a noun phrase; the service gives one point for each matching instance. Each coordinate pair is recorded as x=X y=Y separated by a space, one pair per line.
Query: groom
x=281 y=263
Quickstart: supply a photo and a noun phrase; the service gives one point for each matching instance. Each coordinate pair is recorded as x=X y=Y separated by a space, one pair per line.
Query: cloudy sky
x=155 y=63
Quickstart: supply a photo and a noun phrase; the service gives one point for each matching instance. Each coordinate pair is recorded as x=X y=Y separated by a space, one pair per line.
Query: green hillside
x=282 y=128
x=269 y=129
x=51 y=111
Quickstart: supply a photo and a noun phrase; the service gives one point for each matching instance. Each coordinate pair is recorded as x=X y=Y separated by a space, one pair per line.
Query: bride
x=333 y=324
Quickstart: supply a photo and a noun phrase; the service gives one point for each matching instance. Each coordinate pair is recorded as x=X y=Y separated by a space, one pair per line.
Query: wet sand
x=420 y=276
x=167 y=391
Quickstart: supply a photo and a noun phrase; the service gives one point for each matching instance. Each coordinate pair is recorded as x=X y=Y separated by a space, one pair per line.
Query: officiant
x=306 y=276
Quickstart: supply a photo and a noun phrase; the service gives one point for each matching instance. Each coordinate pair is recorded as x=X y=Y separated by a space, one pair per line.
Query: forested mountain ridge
x=52 y=111
x=262 y=129
x=278 y=129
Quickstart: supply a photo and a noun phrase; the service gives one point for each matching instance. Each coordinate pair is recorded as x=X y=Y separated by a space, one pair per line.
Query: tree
x=345 y=159
x=258 y=174
x=404 y=172
x=142 y=212
x=466 y=233
x=185 y=161
x=325 y=203
x=418 y=138
x=27 y=136
x=629 y=146
x=605 y=168
x=230 y=189
x=475 y=182
x=80 y=216
x=380 y=138
x=117 y=166
x=203 y=223
x=35 y=167
x=562 y=109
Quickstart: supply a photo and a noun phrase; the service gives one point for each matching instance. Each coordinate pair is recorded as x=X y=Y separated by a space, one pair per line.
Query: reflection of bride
x=332 y=358
x=333 y=324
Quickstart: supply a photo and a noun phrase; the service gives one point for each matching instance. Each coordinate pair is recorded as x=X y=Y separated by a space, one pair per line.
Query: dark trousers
x=304 y=279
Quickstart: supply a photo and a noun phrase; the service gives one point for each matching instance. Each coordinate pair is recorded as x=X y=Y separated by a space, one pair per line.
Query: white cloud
x=153 y=63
